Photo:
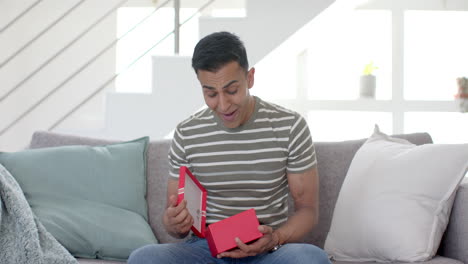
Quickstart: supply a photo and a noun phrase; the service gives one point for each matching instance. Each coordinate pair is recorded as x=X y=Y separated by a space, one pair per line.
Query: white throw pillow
x=395 y=201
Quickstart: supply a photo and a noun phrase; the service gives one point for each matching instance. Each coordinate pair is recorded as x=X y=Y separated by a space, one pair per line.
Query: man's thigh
x=296 y=254
x=194 y=250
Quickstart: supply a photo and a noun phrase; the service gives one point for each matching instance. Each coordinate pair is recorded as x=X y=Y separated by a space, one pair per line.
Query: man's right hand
x=177 y=218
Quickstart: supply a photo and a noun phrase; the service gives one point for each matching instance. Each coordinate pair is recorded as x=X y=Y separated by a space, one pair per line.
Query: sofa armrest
x=454 y=244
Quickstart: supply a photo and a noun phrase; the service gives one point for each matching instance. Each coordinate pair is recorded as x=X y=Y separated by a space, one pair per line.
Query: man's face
x=226 y=92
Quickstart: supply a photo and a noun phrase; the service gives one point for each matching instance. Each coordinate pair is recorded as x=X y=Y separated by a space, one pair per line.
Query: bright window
x=435 y=53
x=430 y=53
x=343 y=125
x=339 y=49
x=443 y=127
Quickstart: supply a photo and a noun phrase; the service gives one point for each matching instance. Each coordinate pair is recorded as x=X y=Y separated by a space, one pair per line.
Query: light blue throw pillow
x=91 y=199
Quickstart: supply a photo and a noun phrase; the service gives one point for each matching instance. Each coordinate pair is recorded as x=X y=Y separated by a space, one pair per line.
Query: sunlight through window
x=435 y=53
x=344 y=125
x=340 y=49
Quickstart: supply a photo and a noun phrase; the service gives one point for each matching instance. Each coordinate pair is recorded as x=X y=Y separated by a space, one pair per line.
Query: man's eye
x=232 y=91
x=211 y=95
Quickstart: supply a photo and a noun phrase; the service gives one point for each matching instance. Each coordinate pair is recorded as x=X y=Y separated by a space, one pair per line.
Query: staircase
x=37 y=104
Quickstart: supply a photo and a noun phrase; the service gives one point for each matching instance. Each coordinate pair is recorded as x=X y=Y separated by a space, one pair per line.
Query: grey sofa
x=334 y=159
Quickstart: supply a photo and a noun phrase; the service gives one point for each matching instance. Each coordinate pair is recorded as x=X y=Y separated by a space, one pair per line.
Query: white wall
x=268 y=23
x=176 y=91
x=57 y=72
x=116 y=115
x=155 y=115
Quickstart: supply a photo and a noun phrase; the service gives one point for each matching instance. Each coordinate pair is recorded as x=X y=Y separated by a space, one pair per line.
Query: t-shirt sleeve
x=301 y=148
x=176 y=156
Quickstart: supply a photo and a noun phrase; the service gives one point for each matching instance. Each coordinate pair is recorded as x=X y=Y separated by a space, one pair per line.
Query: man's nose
x=224 y=103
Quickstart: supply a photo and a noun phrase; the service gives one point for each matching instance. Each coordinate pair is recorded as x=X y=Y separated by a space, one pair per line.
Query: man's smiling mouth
x=229 y=116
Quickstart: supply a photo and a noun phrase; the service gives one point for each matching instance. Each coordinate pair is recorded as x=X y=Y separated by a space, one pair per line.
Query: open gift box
x=220 y=235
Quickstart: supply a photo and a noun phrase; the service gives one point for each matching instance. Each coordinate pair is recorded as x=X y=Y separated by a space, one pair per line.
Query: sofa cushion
x=157 y=171
x=333 y=159
x=91 y=199
x=395 y=201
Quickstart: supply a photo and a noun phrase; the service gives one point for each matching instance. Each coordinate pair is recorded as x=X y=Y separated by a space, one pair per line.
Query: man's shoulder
x=275 y=110
x=202 y=116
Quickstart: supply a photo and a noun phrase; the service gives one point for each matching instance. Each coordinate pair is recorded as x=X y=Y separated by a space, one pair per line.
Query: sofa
x=334 y=159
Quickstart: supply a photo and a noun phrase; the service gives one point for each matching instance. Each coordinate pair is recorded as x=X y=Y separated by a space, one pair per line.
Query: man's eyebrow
x=224 y=87
x=229 y=84
x=208 y=87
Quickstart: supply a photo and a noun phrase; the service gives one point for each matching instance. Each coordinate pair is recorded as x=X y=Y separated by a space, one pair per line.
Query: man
x=247 y=153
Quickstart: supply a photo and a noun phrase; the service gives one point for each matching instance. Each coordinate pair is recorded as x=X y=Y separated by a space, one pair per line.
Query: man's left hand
x=268 y=241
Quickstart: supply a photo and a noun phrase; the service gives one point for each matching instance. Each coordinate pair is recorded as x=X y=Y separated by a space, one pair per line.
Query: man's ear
x=251 y=77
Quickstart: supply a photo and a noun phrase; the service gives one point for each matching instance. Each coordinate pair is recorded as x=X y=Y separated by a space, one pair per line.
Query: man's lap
x=195 y=250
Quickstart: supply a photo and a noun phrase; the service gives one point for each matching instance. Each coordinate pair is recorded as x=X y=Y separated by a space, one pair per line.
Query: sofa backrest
x=333 y=159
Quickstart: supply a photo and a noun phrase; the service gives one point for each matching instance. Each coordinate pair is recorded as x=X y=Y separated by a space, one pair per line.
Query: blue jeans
x=196 y=251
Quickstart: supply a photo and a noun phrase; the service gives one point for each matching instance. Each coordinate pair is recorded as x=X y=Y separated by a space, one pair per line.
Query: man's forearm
x=297 y=226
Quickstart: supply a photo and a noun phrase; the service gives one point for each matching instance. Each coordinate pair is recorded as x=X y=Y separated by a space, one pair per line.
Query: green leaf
x=369 y=68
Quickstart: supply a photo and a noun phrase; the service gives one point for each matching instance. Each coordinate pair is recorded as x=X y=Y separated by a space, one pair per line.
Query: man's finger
x=240 y=244
x=174 y=211
x=236 y=253
x=188 y=221
x=173 y=201
x=265 y=229
x=186 y=225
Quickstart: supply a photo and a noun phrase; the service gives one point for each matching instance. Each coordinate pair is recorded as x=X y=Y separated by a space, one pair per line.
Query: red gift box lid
x=193 y=192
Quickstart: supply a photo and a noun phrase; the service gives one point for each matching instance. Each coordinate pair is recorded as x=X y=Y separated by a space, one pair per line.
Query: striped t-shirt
x=244 y=167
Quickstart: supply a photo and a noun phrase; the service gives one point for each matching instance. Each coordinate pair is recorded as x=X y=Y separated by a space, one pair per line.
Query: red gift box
x=220 y=235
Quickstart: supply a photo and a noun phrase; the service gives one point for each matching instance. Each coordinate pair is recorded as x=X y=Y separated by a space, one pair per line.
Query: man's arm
x=304 y=188
x=177 y=219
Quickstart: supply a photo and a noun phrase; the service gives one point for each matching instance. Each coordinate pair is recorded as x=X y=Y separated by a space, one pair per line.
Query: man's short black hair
x=216 y=50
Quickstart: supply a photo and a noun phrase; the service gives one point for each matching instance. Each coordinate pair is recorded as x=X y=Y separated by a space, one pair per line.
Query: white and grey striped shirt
x=244 y=167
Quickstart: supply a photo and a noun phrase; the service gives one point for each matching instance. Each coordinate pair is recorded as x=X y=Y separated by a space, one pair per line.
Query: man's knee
x=146 y=254
x=306 y=252
x=171 y=253
x=318 y=254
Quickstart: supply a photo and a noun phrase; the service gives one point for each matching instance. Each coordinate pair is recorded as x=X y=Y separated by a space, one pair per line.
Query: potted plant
x=368 y=81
